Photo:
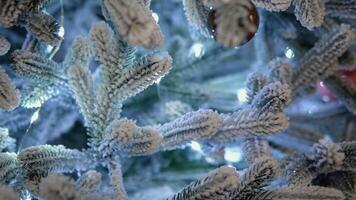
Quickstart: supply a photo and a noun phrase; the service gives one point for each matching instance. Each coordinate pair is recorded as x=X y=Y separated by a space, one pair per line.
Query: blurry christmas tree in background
x=251 y=99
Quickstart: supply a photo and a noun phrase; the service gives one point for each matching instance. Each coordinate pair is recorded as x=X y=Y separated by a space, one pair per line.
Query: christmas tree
x=178 y=100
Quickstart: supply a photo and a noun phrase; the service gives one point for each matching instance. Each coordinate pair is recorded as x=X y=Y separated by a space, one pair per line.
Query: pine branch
x=255 y=148
x=4 y=46
x=80 y=52
x=56 y=186
x=46 y=158
x=5 y=140
x=198 y=125
x=81 y=83
x=345 y=9
x=280 y=71
x=89 y=182
x=327 y=156
x=9 y=95
x=44 y=27
x=37 y=68
x=249 y=122
x=116 y=181
x=274 y=97
x=255 y=82
x=9 y=166
x=319 y=62
x=310 y=13
x=126 y=138
x=10 y=12
x=349 y=149
x=145 y=72
x=197 y=15
x=273 y=5
x=134 y=22
x=217 y=185
x=255 y=178
x=300 y=193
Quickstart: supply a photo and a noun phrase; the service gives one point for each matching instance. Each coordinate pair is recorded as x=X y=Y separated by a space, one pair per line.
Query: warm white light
x=35 y=116
x=61 y=32
x=233 y=154
x=196 y=146
x=155 y=16
x=241 y=95
x=289 y=53
x=198 y=50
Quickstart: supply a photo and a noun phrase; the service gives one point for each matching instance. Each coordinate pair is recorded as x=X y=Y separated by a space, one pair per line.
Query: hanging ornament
x=349 y=75
x=233 y=23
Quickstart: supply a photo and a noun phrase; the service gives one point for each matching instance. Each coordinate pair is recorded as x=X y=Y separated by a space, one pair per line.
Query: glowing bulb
x=241 y=95
x=158 y=80
x=49 y=48
x=233 y=154
x=198 y=50
x=61 y=32
x=196 y=146
x=289 y=53
x=155 y=16
x=35 y=116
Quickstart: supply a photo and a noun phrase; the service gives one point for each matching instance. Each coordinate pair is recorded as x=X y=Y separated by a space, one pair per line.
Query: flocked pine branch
x=345 y=9
x=9 y=95
x=197 y=125
x=9 y=166
x=255 y=148
x=134 y=22
x=4 y=46
x=56 y=186
x=257 y=176
x=30 y=15
x=274 y=97
x=47 y=158
x=249 y=122
x=217 y=185
x=126 y=138
x=319 y=62
x=310 y=13
x=81 y=82
x=255 y=82
x=300 y=193
x=116 y=180
x=273 y=5
x=327 y=155
x=5 y=140
x=197 y=15
x=280 y=71
x=89 y=182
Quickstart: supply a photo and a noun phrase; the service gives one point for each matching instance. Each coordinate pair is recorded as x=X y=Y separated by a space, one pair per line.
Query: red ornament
x=349 y=75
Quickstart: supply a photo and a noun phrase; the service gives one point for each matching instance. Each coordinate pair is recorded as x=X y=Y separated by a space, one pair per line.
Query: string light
x=197 y=50
x=241 y=95
x=289 y=53
x=33 y=119
x=155 y=16
x=196 y=146
x=233 y=154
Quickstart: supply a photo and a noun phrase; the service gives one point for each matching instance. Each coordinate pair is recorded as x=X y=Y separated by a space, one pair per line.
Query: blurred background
x=204 y=75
